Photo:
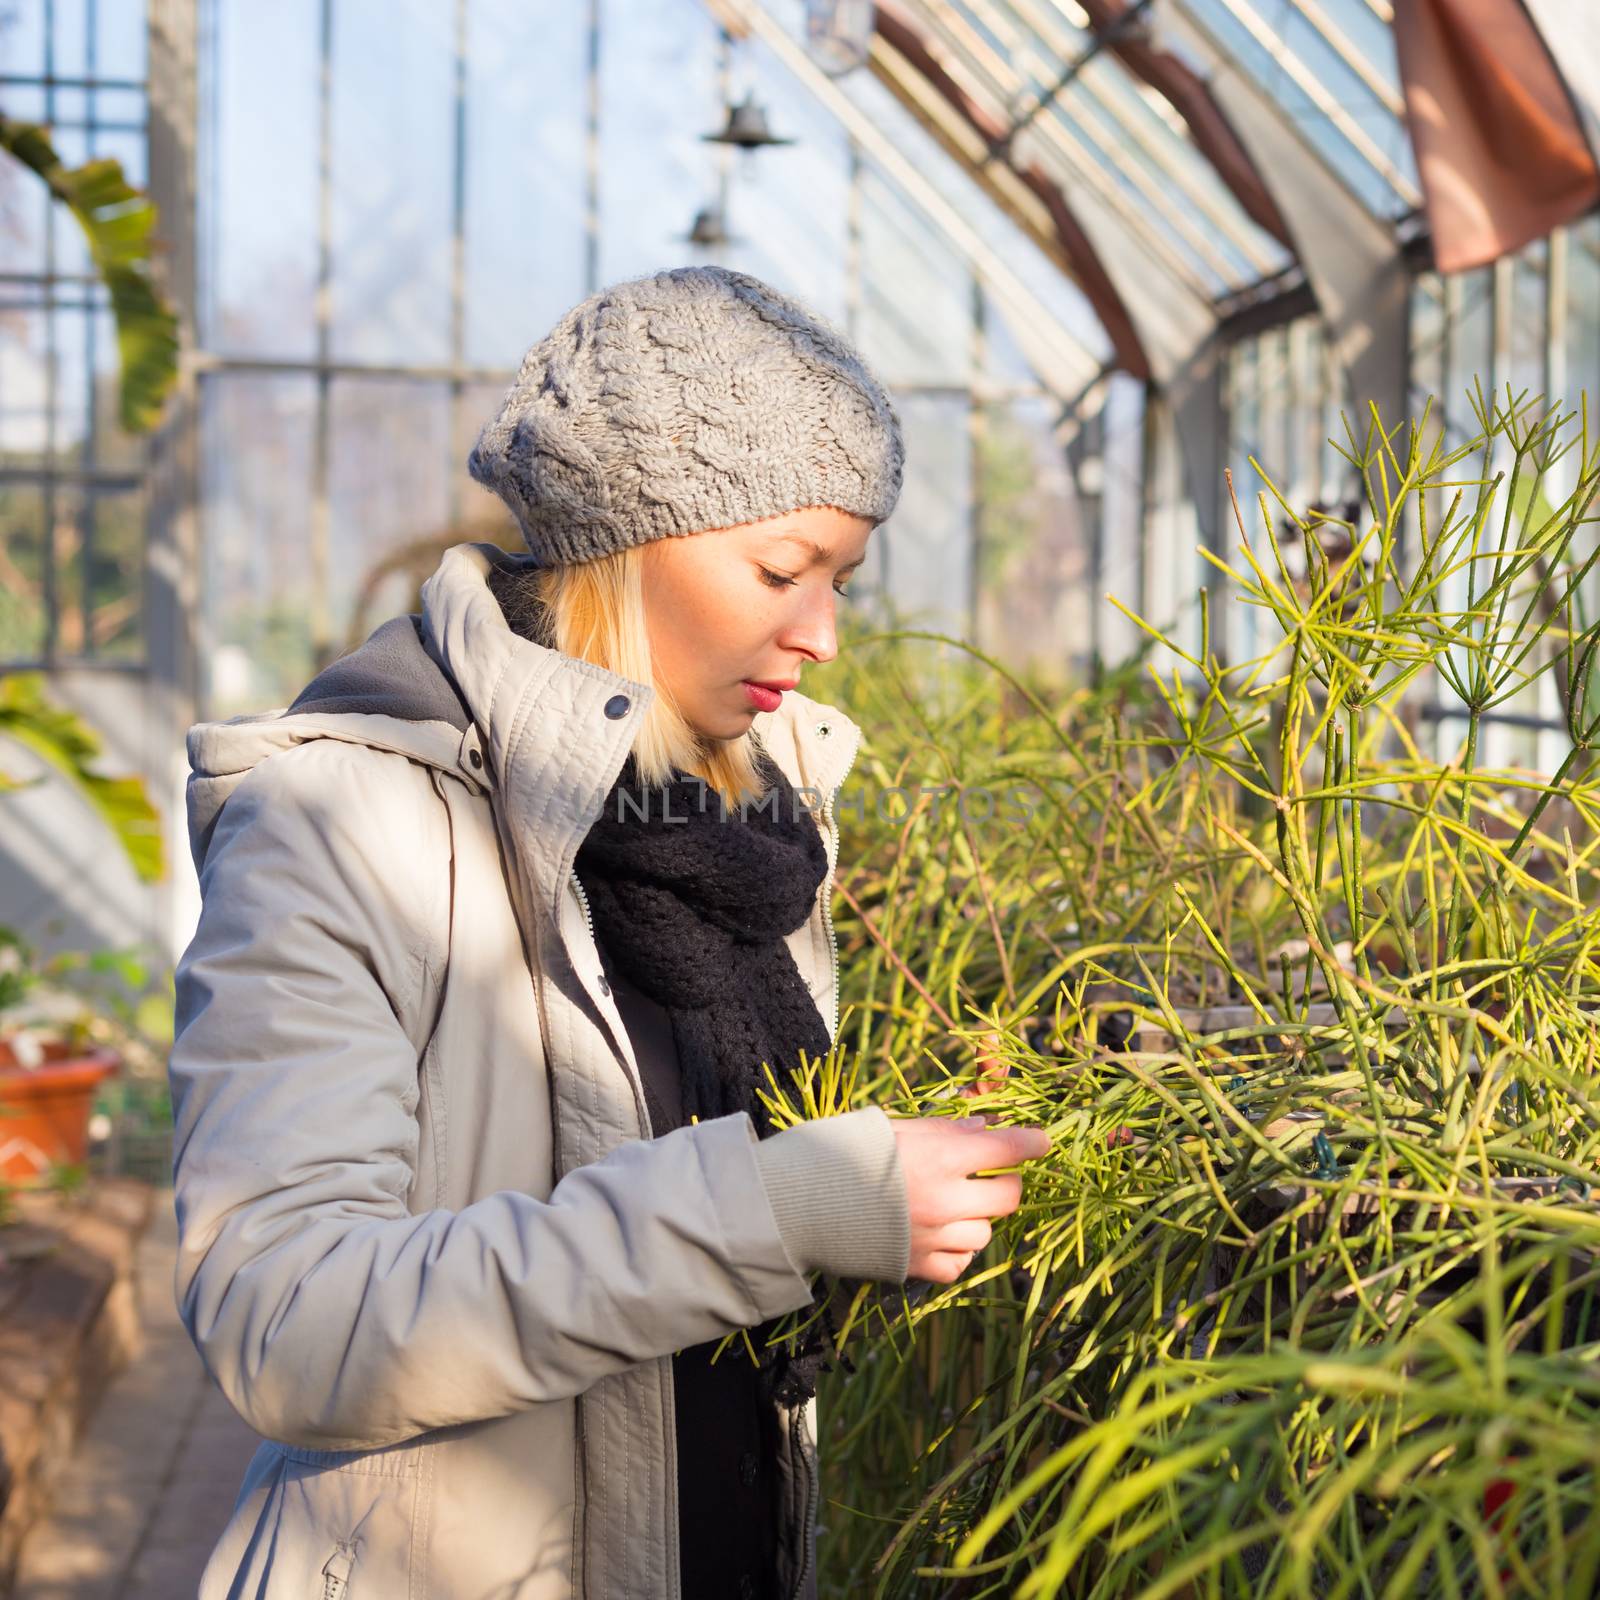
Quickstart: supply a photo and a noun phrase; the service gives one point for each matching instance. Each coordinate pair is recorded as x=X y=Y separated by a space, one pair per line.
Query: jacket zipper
x=827 y=892
x=797 y=1443
x=583 y=901
x=796 y=1424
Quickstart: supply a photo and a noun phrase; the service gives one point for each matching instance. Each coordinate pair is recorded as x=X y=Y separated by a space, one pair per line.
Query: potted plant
x=51 y=1066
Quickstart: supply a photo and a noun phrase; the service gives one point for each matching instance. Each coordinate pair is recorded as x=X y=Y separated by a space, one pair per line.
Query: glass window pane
x=69 y=37
x=1344 y=85
x=789 y=206
x=659 y=93
x=72 y=367
x=1004 y=360
x=526 y=188
x=1471 y=361
x=479 y=514
x=1131 y=111
x=1033 y=550
x=1244 y=423
x=256 y=443
x=25 y=101
x=1121 y=516
x=1277 y=416
x=118 y=105
x=1529 y=320
x=70 y=105
x=1427 y=343
x=24 y=219
x=99 y=553
x=1581 y=352
x=22 y=39
x=26 y=371
x=1061 y=299
x=69 y=522
x=929 y=537
x=113 y=577
x=916 y=302
x=22 y=545
x=1583 y=318
x=388 y=490
x=393 y=167
x=120 y=39
x=259 y=206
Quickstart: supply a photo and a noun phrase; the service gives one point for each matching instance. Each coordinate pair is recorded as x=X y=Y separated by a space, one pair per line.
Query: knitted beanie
x=693 y=399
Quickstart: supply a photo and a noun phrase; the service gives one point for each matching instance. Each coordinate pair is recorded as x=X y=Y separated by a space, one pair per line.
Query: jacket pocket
x=304 y=1531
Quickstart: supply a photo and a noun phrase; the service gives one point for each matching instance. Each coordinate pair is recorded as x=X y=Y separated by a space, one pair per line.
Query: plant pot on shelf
x=44 y=1109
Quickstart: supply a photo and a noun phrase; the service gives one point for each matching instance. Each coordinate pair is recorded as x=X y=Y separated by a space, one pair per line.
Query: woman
x=471 y=1170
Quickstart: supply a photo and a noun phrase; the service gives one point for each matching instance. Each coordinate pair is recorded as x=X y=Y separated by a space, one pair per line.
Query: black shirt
x=728 y=1437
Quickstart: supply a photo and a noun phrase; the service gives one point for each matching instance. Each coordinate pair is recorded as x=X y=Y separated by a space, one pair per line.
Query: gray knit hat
x=692 y=399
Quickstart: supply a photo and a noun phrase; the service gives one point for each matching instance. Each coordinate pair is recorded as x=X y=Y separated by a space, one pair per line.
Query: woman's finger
x=946 y=1266
x=967 y=1236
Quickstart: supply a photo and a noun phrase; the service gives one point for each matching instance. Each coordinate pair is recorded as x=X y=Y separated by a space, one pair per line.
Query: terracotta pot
x=44 y=1110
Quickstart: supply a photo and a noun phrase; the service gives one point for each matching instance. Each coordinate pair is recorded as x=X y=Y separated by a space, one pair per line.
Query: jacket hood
x=397 y=692
x=391 y=675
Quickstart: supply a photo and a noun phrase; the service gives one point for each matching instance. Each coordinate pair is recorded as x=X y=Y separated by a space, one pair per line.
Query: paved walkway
x=155 y=1474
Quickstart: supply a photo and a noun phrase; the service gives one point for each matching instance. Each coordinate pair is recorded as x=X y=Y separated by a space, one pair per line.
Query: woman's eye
x=780 y=580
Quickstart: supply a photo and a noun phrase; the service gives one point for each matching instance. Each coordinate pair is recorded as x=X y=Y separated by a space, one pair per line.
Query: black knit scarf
x=692 y=900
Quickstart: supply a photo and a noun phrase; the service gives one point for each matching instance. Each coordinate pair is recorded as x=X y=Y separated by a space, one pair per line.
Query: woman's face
x=735 y=614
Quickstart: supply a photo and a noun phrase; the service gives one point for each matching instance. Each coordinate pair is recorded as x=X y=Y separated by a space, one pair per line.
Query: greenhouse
x=1129 y=1128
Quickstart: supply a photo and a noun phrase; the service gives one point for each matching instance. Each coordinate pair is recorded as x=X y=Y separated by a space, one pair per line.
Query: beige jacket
x=427 y=1247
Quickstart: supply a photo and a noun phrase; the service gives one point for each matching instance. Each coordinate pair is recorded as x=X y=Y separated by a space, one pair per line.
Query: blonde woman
x=500 y=919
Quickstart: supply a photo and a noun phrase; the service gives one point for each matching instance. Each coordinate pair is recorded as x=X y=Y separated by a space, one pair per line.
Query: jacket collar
x=555 y=731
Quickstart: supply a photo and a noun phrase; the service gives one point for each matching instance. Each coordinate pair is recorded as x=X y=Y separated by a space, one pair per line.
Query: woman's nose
x=812 y=630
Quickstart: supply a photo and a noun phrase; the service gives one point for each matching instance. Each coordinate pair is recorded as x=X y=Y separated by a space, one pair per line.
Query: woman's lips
x=761 y=697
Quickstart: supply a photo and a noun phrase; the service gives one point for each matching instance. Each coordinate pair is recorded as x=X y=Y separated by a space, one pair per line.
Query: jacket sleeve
x=330 y=1315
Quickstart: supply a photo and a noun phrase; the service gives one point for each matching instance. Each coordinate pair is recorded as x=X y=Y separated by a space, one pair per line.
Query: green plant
x=1304 y=1301
x=118 y=222
x=72 y=747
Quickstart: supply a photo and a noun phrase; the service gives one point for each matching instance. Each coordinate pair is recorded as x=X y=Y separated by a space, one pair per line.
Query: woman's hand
x=951 y=1209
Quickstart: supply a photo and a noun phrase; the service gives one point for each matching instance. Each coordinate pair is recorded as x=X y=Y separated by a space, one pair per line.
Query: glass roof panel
x=1344 y=102
x=1053 y=139
x=1102 y=131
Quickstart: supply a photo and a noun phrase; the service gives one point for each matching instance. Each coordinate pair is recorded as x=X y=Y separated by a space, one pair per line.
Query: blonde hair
x=594 y=611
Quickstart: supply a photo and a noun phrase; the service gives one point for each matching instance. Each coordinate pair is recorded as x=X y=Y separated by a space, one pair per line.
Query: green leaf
x=118 y=222
x=70 y=745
